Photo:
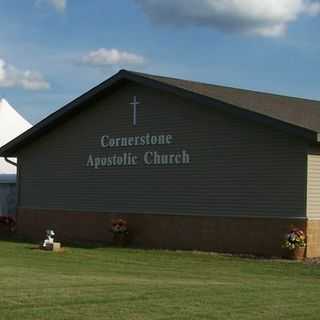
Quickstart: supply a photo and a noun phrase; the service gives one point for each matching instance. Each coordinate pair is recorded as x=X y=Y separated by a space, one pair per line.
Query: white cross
x=134 y=103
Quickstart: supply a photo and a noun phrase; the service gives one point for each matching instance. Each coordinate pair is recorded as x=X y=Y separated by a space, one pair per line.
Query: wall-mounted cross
x=134 y=103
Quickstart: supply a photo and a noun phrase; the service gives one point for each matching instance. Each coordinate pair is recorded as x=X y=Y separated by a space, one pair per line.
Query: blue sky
x=51 y=51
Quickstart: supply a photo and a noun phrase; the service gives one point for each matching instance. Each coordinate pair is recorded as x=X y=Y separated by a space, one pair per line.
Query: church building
x=188 y=165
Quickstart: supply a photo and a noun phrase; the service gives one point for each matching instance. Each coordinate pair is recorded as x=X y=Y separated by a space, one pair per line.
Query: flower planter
x=295 y=244
x=296 y=254
x=119 y=231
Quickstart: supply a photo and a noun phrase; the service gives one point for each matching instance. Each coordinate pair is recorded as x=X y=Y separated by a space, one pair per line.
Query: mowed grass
x=109 y=283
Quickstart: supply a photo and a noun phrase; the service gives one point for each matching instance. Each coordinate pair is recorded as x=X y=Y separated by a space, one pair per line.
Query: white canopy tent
x=12 y=124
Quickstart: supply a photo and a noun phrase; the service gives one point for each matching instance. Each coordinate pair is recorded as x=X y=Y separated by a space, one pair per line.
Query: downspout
x=11 y=162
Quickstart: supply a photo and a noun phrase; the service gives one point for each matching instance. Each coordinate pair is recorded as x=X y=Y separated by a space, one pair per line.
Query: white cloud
x=260 y=17
x=313 y=8
x=110 y=57
x=59 y=5
x=10 y=76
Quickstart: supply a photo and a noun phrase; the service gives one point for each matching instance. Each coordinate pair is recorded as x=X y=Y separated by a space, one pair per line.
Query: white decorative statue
x=49 y=239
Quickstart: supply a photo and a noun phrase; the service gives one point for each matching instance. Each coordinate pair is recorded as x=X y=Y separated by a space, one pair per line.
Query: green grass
x=108 y=283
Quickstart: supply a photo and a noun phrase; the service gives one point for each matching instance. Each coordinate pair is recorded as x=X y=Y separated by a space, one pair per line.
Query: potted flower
x=119 y=229
x=295 y=244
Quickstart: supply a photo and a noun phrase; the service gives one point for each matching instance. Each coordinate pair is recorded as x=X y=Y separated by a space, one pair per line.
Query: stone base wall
x=259 y=236
x=313 y=234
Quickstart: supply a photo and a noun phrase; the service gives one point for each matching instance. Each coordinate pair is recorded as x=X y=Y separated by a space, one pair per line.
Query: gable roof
x=298 y=116
x=296 y=111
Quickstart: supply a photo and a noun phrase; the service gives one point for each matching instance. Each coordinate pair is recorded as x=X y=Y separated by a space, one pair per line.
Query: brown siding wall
x=238 y=168
x=261 y=236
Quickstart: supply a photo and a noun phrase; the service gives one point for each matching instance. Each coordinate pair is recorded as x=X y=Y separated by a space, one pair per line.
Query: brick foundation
x=260 y=236
x=313 y=233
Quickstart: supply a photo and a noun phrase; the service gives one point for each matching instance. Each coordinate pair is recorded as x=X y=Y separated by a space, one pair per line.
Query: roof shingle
x=296 y=111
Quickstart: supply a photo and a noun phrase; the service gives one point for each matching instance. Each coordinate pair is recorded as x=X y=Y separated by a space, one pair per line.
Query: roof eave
x=9 y=149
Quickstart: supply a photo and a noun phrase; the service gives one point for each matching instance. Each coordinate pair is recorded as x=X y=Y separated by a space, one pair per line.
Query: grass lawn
x=107 y=283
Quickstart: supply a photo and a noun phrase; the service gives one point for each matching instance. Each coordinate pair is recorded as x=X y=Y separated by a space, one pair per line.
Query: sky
x=51 y=51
